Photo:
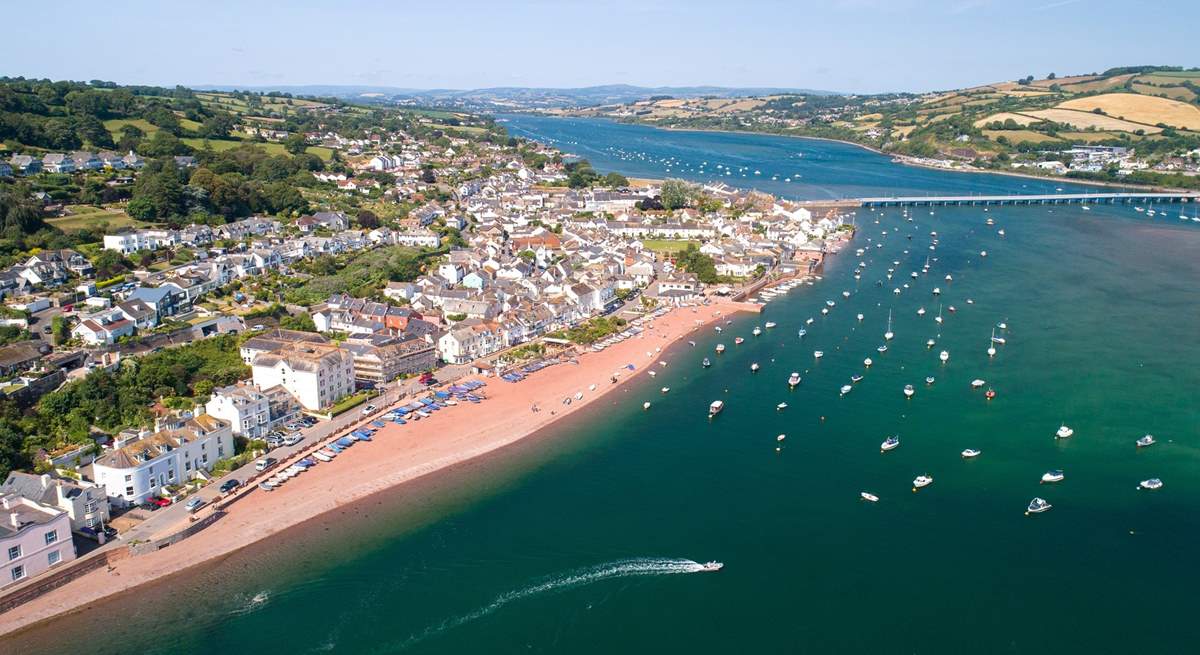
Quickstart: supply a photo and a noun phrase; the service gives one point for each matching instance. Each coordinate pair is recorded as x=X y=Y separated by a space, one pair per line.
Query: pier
x=1042 y=199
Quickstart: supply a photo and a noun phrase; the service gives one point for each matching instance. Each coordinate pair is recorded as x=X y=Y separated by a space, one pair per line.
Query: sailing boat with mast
x=888 y=335
x=992 y=344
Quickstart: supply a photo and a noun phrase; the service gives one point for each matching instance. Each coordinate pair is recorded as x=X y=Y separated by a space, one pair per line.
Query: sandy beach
x=397 y=454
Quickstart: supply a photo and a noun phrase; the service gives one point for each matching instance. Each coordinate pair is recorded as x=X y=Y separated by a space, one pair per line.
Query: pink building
x=33 y=538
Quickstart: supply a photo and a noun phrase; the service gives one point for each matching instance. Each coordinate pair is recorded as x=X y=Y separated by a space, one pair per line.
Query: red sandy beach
x=397 y=454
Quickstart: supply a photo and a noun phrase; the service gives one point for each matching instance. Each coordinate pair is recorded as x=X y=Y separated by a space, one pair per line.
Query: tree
x=615 y=180
x=367 y=219
x=677 y=193
x=60 y=329
x=427 y=175
x=295 y=143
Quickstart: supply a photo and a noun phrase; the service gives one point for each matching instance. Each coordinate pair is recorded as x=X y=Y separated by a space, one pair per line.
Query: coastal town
x=479 y=263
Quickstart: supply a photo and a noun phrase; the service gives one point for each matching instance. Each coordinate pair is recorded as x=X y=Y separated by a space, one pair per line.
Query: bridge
x=1044 y=199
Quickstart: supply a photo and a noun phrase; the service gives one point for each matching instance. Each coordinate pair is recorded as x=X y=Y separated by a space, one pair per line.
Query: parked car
x=194 y=504
x=160 y=502
x=368 y=409
x=230 y=485
x=265 y=463
x=292 y=439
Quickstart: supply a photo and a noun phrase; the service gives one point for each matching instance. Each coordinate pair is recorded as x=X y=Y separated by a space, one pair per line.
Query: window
x=14 y=552
x=128 y=491
x=18 y=572
x=90 y=506
x=90 y=521
x=53 y=557
x=51 y=537
x=128 y=478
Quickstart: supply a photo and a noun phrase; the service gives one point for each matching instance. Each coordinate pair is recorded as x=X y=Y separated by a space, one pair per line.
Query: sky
x=861 y=46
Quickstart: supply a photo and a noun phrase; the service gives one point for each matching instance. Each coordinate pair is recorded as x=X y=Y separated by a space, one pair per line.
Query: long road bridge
x=1042 y=199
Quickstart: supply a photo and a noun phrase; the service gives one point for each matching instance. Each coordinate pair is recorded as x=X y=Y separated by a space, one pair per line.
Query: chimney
x=14 y=519
x=45 y=481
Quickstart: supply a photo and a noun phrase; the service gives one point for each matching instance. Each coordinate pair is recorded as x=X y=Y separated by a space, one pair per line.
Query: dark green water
x=567 y=543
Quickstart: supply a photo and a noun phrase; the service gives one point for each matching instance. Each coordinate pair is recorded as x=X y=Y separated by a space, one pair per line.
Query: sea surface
x=588 y=537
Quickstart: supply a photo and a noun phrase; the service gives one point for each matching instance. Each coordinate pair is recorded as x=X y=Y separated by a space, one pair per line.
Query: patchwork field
x=1083 y=119
x=1099 y=85
x=1140 y=109
x=1019 y=119
x=1017 y=136
x=1174 y=92
x=86 y=217
x=273 y=148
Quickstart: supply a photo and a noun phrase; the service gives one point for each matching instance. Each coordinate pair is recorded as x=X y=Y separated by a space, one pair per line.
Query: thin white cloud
x=1053 y=5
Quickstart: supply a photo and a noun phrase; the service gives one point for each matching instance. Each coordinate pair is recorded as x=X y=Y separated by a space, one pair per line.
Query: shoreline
x=904 y=160
x=398 y=455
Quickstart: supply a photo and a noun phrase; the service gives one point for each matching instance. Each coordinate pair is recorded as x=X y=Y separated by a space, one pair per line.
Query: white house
x=246 y=409
x=139 y=468
x=318 y=375
x=33 y=538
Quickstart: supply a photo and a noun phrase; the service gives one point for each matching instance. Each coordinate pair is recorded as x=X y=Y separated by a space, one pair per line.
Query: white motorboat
x=891 y=443
x=769 y=324
x=976 y=383
x=757 y=331
x=1055 y=475
x=921 y=311
x=855 y=379
x=829 y=303
x=818 y=354
x=808 y=321
x=652 y=373
x=1064 y=432
x=720 y=348
x=929 y=379
x=781 y=437
x=944 y=356
x=931 y=343
x=882 y=349
x=737 y=341
x=869 y=497
x=793 y=379
x=845 y=294
x=846 y=389
x=1145 y=441
x=718 y=328
x=1037 y=506
x=754 y=367
x=909 y=391
x=715 y=408
x=1151 y=484
x=801 y=332
x=860 y=318
x=937 y=291
x=983 y=253
x=781 y=406
x=949 y=278
x=1002 y=326
x=970 y=453
x=711 y=566
x=646 y=405
x=867 y=362
x=824 y=311
x=665 y=389
x=706 y=363
x=922 y=481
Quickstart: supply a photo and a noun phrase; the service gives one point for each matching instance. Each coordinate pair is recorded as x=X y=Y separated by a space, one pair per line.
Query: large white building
x=33 y=538
x=245 y=408
x=317 y=375
x=128 y=243
x=139 y=468
x=86 y=504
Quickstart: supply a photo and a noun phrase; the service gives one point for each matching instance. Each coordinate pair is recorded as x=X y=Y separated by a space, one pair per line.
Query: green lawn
x=668 y=245
x=273 y=148
x=114 y=126
x=86 y=216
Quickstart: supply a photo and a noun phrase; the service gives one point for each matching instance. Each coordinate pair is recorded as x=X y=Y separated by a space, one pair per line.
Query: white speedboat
x=824 y=311
x=1037 y=506
x=846 y=389
x=720 y=348
x=882 y=349
x=856 y=378
x=867 y=362
x=808 y=321
x=793 y=379
x=970 y=453
x=769 y=324
x=818 y=354
x=646 y=405
x=711 y=566
x=737 y=341
x=781 y=406
x=869 y=497
x=929 y=379
x=1151 y=484
x=717 y=328
x=944 y=356
x=976 y=383
x=860 y=318
x=909 y=391
x=921 y=311
x=1147 y=440
x=931 y=343
x=757 y=331
x=715 y=408
x=754 y=367
x=706 y=363
x=891 y=443
x=949 y=278
x=801 y=332
x=781 y=437
x=922 y=481
x=845 y=294
x=1064 y=432
x=652 y=373
x=665 y=389
x=1055 y=475
x=983 y=253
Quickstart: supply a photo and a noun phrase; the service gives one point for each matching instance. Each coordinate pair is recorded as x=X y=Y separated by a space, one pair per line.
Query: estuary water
x=590 y=537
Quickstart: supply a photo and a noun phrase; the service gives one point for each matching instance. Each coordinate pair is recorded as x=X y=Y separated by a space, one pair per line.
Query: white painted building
x=139 y=468
x=318 y=375
x=247 y=410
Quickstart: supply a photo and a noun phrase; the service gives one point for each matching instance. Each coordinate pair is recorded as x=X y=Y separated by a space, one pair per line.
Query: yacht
x=706 y=363
x=922 y=481
x=754 y=367
x=909 y=391
x=818 y=354
x=944 y=356
x=720 y=348
x=1147 y=440
x=715 y=408
x=769 y=325
x=1064 y=432
x=891 y=443
x=1053 y=476
x=1151 y=484
x=929 y=380
x=794 y=379
x=869 y=497
x=970 y=453
x=846 y=389
x=757 y=331
x=991 y=349
x=1037 y=506
x=976 y=383
x=921 y=311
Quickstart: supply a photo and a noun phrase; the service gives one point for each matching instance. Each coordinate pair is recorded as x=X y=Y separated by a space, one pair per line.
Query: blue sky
x=841 y=45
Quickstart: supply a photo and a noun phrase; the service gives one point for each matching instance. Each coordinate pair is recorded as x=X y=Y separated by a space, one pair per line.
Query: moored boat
x=1037 y=506
x=869 y=497
x=891 y=443
x=922 y=481
x=715 y=408
x=1055 y=475
x=1064 y=432
x=1151 y=484
x=970 y=453
x=1145 y=441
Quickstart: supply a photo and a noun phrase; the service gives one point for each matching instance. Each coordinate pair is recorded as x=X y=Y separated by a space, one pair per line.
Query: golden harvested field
x=1074 y=79
x=1099 y=85
x=1004 y=115
x=1017 y=136
x=903 y=130
x=1170 y=77
x=745 y=104
x=1174 y=92
x=1089 y=136
x=1084 y=119
x=1140 y=109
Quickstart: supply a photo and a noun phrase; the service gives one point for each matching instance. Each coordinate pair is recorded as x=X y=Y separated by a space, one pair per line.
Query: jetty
x=1032 y=199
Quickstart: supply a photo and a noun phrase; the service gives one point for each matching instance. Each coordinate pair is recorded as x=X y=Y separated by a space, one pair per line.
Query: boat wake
x=579 y=578
x=251 y=604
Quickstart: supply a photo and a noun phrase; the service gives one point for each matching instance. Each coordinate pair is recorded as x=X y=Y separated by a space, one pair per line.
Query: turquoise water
x=579 y=541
